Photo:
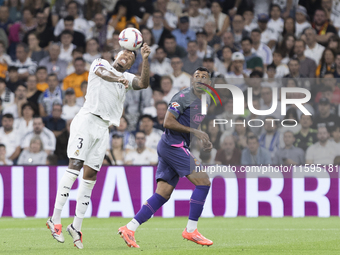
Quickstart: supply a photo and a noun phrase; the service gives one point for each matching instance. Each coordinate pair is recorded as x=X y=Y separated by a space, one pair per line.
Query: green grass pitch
x=240 y=235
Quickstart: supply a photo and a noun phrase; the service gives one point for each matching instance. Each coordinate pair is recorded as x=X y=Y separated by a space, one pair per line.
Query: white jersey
x=104 y=98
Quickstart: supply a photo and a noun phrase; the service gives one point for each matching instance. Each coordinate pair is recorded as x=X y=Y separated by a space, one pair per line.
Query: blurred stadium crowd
x=47 y=46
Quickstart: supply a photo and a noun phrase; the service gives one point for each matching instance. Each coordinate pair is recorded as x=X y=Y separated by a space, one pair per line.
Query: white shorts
x=89 y=136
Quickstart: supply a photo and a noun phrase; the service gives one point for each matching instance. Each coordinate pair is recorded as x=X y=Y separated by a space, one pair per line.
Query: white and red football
x=130 y=39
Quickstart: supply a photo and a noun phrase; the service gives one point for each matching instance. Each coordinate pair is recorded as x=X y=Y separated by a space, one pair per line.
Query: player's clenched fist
x=145 y=51
x=124 y=81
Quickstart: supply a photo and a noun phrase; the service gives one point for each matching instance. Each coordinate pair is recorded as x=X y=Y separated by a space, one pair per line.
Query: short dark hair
x=23 y=45
x=300 y=40
x=256 y=73
x=12 y=68
x=272 y=65
x=79 y=59
x=160 y=48
x=66 y=32
x=8 y=116
x=170 y=36
x=294 y=59
x=203 y=69
x=29 y=104
x=256 y=30
x=275 y=5
x=52 y=75
x=247 y=39
x=41 y=68
x=69 y=18
x=2 y=145
x=148 y=116
x=71 y=2
x=2 y=80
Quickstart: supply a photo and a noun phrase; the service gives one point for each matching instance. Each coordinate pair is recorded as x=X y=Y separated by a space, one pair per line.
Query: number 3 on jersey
x=80 y=145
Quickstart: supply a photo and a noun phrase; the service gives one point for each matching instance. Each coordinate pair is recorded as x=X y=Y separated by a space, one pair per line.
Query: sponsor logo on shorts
x=96 y=166
x=76 y=153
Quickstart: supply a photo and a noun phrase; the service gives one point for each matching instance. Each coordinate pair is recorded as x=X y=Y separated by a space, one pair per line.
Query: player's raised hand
x=124 y=81
x=145 y=51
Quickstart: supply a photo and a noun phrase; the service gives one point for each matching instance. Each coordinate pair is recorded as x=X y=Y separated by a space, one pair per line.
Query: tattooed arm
x=143 y=81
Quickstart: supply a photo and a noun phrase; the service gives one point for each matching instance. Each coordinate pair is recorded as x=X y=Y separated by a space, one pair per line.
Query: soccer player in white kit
x=89 y=133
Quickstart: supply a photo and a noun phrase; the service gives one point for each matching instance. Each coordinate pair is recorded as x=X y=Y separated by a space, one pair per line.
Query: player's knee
x=75 y=164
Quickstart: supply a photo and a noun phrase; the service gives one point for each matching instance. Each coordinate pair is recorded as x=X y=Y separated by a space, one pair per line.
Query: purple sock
x=152 y=205
x=197 y=201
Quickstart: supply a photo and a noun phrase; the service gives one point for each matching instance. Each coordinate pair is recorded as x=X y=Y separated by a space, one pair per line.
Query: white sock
x=83 y=201
x=64 y=188
x=191 y=226
x=133 y=225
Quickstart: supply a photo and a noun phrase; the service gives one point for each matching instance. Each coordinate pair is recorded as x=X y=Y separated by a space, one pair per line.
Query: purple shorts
x=174 y=161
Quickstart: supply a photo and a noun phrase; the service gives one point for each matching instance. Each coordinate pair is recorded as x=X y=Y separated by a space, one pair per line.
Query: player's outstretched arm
x=143 y=81
x=170 y=122
x=106 y=75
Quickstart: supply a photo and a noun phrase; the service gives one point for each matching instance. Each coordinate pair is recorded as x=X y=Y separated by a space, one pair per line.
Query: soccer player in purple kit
x=182 y=120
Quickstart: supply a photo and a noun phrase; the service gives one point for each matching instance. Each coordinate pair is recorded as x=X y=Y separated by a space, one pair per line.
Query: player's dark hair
x=2 y=145
x=69 y=18
x=2 y=80
x=247 y=39
x=8 y=116
x=203 y=69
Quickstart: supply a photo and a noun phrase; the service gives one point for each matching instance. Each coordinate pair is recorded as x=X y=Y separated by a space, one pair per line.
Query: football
x=130 y=39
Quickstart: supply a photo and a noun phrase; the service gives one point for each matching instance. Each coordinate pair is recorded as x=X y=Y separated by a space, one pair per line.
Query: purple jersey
x=186 y=107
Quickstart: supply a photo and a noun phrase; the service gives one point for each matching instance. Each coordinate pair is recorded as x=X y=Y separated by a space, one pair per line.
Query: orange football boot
x=196 y=237
x=128 y=236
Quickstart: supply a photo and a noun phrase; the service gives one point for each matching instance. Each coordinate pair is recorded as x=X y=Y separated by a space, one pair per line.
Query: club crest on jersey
x=197 y=163
x=76 y=153
x=175 y=104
